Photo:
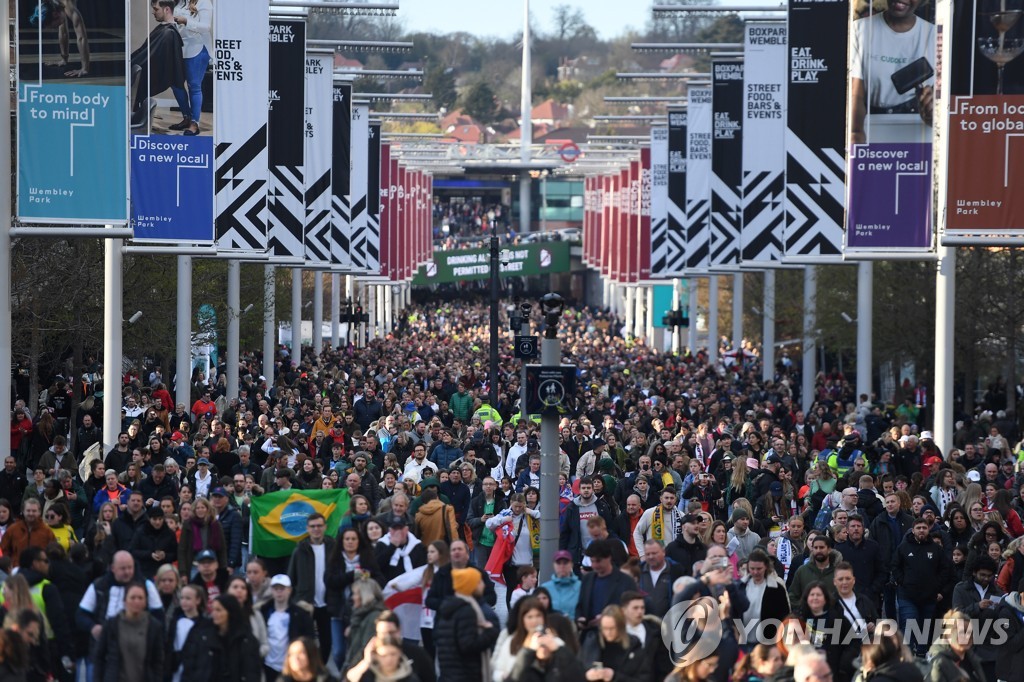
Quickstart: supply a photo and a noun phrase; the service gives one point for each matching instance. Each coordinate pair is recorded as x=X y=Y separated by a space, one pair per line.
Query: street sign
x=569 y=152
x=551 y=390
x=526 y=347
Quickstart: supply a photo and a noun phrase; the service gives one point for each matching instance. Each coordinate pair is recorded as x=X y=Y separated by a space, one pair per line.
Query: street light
x=551 y=306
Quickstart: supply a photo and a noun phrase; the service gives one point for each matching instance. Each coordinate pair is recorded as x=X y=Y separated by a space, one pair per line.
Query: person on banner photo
x=56 y=14
x=892 y=70
x=195 y=24
x=158 y=64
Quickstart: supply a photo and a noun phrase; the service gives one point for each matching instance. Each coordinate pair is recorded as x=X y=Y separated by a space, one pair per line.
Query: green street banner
x=474 y=264
x=279 y=519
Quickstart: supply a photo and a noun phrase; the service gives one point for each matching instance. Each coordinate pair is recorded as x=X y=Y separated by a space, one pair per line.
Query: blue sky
x=504 y=18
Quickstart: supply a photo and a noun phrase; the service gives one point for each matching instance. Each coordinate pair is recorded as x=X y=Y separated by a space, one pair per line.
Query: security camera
x=552 y=305
x=525 y=308
x=136 y=317
x=846 y=318
x=248 y=308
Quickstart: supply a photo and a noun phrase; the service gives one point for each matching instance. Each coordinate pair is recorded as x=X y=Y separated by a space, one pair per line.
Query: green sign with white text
x=474 y=264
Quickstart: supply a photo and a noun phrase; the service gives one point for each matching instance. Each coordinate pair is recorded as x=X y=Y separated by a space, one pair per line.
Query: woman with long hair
x=351 y=559
x=945 y=491
x=302 y=663
x=702 y=670
x=234 y=652
x=815 y=613
x=437 y=557
x=530 y=617
x=99 y=537
x=201 y=531
x=58 y=518
x=359 y=512
x=885 y=659
x=613 y=649
x=763 y=661
x=309 y=475
x=6 y=516
x=736 y=486
x=716 y=534
x=242 y=591
x=1002 y=504
x=383 y=661
x=189 y=612
x=131 y=644
x=367 y=604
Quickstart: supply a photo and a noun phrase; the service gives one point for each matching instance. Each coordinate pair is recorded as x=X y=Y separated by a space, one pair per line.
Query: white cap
x=927 y=435
x=281 y=579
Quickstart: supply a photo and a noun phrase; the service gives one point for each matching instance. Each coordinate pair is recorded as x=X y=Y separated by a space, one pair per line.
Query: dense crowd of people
x=838 y=543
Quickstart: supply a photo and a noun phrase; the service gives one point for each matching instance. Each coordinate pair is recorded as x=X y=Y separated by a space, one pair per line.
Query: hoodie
x=565 y=593
x=435 y=520
x=742 y=544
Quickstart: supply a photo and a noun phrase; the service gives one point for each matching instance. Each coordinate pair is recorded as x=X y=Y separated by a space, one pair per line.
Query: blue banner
x=71 y=143
x=73 y=92
x=172 y=187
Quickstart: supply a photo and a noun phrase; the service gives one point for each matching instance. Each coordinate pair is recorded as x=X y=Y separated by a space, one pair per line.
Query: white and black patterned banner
x=764 y=141
x=816 y=134
x=372 y=248
x=357 y=188
x=698 y=180
x=675 y=248
x=341 y=164
x=319 y=115
x=726 y=162
x=287 y=202
x=659 y=202
x=242 y=67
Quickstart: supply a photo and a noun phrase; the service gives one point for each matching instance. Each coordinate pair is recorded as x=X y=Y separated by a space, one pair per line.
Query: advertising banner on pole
x=242 y=68
x=658 y=207
x=341 y=174
x=473 y=264
x=816 y=130
x=726 y=162
x=982 y=88
x=644 y=213
x=372 y=248
x=889 y=173
x=699 y=132
x=608 y=194
x=387 y=209
x=357 y=187
x=633 y=242
x=287 y=149
x=72 y=111
x=172 y=124
x=675 y=255
x=764 y=141
x=319 y=115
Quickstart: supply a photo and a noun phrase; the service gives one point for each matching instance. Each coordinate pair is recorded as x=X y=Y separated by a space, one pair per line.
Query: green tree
x=479 y=102
x=440 y=82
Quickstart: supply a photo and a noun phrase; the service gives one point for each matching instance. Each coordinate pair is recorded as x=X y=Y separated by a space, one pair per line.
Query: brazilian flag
x=279 y=518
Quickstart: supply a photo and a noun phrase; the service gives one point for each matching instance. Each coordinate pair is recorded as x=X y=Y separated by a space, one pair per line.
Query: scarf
x=658 y=524
x=402 y=554
x=481 y=623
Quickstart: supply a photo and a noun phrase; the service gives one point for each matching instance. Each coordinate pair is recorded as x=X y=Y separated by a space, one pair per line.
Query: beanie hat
x=465 y=580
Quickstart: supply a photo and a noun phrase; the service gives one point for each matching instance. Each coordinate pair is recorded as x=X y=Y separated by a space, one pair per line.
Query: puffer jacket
x=460 y=642
x=946 y=666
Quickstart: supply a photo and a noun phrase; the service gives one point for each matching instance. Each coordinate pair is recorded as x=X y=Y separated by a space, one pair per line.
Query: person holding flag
x=516 y=542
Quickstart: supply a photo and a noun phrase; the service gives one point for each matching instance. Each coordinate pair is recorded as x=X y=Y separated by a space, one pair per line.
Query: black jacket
x=300 y=623
x=302 y=568
x=881 y=533
x=148 y=540
x=571 y=538
x=921 y=569
x=459 y=642
x=108 y=651
x=208 y=657
x=337 y=578
x=124 y=529
x=686 y=554
x=476 y=511
x=869 y=567
x=441 y=588
x=658 y=596
x=384 y=552
x=630 y=663
x=563 y=666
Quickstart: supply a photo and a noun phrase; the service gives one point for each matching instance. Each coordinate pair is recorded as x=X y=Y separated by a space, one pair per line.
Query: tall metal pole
x=544 y=201
x=234 y=313
x=269 y=322
x=524 y=329
x=318 y=312
x=495 y=297
x=692 y=306
x=296 y=315
x=768 y=327
x=183 y=335
x=677 y=304
x=945 y=317
x=810 y=336
x=640 y=313
x=713 y=319
x=336 y=296
x=526 y=129
x=389 y=308
x=630 y=309
x=737 y=313
x=865 y=313
x=550 y=356
x=113 y=353
x=5 y=239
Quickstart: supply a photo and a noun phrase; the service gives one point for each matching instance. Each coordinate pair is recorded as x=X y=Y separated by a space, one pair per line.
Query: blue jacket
x=445 y=455
x=565 y=594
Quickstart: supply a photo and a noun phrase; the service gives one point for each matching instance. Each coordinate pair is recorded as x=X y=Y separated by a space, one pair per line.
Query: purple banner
x=890 y=198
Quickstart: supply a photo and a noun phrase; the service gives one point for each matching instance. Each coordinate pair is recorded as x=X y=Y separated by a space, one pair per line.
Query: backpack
x=824 y=516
